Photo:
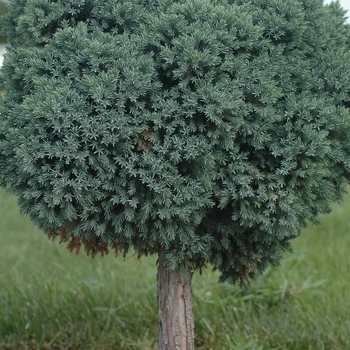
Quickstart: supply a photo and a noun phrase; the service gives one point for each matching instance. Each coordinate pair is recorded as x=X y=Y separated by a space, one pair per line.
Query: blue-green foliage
x=205 y=131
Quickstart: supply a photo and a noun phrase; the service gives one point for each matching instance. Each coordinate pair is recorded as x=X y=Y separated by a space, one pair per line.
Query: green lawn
x=3 y=10
x=53 y=299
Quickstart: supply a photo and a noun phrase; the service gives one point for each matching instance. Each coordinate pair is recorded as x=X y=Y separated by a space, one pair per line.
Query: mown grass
x=3 y=10
x=53 y=299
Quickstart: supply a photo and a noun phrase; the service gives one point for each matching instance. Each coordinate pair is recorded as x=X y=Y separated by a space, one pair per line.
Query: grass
x=3 y=10
x=53 y=299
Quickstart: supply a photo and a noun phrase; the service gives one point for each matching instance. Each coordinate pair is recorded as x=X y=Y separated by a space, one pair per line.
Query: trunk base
x=175 y=317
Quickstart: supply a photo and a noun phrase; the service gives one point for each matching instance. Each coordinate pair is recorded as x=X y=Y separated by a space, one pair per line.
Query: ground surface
x=53 y=299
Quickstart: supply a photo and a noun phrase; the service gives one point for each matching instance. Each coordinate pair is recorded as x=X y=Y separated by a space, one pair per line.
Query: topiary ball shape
x=203 y=131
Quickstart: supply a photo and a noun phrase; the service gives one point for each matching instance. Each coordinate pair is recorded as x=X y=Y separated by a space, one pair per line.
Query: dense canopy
x=205 y=131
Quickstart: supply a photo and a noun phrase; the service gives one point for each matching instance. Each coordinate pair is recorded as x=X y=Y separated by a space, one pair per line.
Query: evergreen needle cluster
x=205 y=131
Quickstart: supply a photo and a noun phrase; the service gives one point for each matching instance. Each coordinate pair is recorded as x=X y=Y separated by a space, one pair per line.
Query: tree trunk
x=175 y=318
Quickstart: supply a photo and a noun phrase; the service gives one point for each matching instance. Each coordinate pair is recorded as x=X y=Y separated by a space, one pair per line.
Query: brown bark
x=175 y=317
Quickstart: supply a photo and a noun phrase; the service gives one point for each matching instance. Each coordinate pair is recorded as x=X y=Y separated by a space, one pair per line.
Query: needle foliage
x=204 y=131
